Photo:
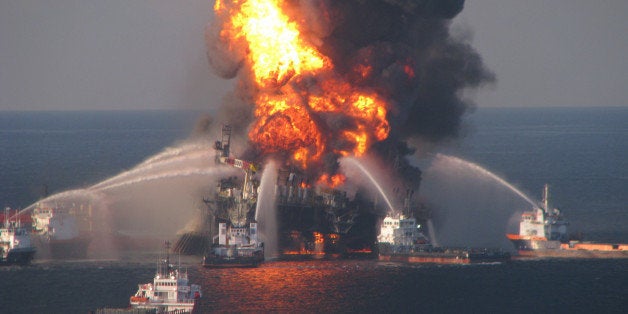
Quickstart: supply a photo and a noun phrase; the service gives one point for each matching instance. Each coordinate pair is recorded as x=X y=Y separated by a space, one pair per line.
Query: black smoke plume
x=417 y=65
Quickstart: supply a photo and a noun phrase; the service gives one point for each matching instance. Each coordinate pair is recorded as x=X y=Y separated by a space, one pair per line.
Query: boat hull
x=226 y=262
x=222 y=257
x=69 y=249
x=561 y=253
x=539 y=247
x=19 y=256
x=166 y=307
x=446 y=257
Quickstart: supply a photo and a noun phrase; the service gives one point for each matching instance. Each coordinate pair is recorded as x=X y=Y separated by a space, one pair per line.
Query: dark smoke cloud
x=395 y=36
x=417 y=66
x=222 y=60
x=430 y=8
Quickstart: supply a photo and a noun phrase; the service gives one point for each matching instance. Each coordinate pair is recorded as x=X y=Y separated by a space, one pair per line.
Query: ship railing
x=245 y=253
x=158 y=300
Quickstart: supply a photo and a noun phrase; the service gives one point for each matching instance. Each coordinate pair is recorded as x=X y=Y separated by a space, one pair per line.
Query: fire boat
x=402 y=239
x=543 y=233
x=169 y=292
x=15 y=242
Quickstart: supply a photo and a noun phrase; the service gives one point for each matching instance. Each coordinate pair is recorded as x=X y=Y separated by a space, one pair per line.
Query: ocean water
x=543 y=286
x=581 y=153
x=55 y=151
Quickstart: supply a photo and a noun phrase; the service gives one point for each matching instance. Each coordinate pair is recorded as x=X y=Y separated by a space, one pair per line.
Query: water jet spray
x=357 y=164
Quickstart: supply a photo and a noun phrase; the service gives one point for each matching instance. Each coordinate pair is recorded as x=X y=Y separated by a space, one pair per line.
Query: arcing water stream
x=172 y=152
x=357 y=164
x=475 y=167
x=164 y=175
x=196 y=158
x=471 y=205
x=155 y=164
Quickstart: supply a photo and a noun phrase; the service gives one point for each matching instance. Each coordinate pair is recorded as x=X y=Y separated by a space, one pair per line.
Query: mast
x=163 y=268
x=6 y=217
x=548 y=219
x=167 y=247
x=546 y=198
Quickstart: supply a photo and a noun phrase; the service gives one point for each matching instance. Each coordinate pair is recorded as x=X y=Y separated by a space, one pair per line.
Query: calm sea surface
x=582 y=153
x=551 y=286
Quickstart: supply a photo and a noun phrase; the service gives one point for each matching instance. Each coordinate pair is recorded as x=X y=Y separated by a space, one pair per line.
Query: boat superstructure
x=543 y=233
x=15 y=241
x=233 y=207
x=170 y=291
x=401 y=231
x=59 y=231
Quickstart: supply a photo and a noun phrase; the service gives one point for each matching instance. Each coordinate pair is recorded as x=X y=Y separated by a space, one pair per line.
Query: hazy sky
x=551 y=52
x=150 y=54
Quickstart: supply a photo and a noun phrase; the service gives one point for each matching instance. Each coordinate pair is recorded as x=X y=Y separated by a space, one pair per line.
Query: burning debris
x=319 y=80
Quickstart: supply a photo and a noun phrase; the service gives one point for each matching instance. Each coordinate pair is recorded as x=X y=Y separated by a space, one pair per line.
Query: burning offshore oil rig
x=319 y=81
x=313 y=220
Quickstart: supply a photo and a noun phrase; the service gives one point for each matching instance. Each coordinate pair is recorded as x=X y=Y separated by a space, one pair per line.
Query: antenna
x=546 y=198
x=167 y=247
x=6 y=217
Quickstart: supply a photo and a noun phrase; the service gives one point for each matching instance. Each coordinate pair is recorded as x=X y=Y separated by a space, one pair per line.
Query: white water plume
x=471 y=206
x=432 y=232
x=266 y=211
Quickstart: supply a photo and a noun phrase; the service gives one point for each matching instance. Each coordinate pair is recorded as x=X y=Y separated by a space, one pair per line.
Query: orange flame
x=409 y=71
x=288 y=106
x=332 y=181
x=364 y=70
x=276 y=50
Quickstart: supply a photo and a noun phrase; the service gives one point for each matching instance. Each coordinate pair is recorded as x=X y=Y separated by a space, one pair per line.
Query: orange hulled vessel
x=543 y=233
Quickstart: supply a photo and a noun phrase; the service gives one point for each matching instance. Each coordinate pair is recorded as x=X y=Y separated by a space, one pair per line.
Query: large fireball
x=298 y=90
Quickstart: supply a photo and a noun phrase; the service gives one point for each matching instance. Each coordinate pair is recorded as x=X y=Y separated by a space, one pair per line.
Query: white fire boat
x=169 y=291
